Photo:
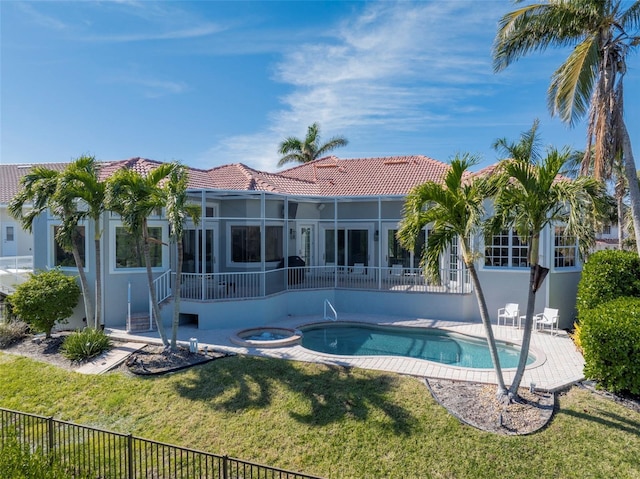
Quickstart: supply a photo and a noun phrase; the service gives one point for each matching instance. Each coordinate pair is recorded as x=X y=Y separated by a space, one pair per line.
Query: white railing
x=328 y=307
x=230 y=286
x=162 y=284
x=16 y=264
x=14 y=270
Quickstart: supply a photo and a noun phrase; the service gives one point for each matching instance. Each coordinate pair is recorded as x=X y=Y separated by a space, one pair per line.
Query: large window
x=63 y=258
x=245 y=244
x=506 y=250
x=129 y=248
x=565 y=249
x=396 y=254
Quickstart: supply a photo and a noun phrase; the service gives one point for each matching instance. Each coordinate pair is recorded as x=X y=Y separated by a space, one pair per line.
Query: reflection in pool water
x=445 y=347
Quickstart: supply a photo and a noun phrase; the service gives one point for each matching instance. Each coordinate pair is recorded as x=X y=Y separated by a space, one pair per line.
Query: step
x=140 y=322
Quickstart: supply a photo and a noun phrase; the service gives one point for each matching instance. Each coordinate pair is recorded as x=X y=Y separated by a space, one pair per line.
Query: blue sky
x=208 y=83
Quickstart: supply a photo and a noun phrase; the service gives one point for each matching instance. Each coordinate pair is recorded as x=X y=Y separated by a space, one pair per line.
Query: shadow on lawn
x=333 y=392
x=607 y=419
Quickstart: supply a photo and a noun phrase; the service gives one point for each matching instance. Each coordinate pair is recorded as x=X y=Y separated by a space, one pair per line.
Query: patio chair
x=549 y=317
x=511 y=312
x=358 y=268
x=397 y=270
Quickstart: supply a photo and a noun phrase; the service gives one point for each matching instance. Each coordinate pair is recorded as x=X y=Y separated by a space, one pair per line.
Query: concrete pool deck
x=562 y=366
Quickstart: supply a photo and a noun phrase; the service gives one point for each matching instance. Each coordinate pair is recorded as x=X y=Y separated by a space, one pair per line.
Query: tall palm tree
x=532 y=196
x=81 y=180
x=178 y=209
x=604 y=33
x=134 y=197
x=455 y=211
x=309 y=149
x=43 y=190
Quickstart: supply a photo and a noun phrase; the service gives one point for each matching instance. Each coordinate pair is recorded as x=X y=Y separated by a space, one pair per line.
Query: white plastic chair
x=549 y=317
x=510 y=312
x=397 y=270
x=358 y=268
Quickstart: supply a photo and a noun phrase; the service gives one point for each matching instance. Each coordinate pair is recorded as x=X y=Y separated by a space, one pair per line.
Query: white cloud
x=395 y=66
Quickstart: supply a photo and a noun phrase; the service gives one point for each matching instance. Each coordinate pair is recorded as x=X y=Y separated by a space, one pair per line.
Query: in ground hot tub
x=266 y=337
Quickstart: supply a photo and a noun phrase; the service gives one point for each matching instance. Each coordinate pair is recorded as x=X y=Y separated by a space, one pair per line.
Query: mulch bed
x=152 y=360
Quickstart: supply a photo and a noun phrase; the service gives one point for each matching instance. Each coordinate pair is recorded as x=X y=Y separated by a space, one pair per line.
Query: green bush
x=608 y=275
x=47 y=298
x=610 y=340
x=85 y=344
x=12 y=332
x=19 y=462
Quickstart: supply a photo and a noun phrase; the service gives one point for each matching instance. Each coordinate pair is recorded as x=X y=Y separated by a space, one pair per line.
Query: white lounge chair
x=549 y=317
x=511 y=312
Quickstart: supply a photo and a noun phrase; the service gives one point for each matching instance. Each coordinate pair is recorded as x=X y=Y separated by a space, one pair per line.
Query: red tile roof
x=329 y=176
x=394 y=175
x=10 y=176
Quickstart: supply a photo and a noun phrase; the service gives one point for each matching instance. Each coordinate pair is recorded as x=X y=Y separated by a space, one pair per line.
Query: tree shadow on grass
x=333 y=392
x=606 y=419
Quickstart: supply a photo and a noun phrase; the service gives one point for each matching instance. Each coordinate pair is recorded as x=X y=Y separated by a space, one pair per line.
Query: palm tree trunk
x=152 y=290
x=98 y=281
x=632 y=181
x=84 y=285
x=486 y=322
x=528 y=322
x=176 y=297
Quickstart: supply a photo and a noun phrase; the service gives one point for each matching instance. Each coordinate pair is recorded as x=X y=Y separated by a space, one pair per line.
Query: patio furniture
x=511 y=312
x=549 y=317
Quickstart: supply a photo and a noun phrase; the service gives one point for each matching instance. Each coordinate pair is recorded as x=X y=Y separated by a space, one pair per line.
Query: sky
x=208 y=83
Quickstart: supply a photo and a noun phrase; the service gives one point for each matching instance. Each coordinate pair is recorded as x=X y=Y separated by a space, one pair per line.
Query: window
x=129 y=248
x=506 y=250
x=396 y=254
x=565 y=249
x=245 y=244
x=606 y=229
x=63 y=258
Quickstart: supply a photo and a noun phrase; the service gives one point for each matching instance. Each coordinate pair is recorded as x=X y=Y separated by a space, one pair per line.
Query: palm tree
x=81 y=180
x=531 y=196
x=456 y=211
x=591 y=79
x=134 y=197
x=309 y=149
x=178 y=208
x=42 y=189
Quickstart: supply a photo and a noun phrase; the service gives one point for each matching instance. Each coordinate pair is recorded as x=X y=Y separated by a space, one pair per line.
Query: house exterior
x=271 y=245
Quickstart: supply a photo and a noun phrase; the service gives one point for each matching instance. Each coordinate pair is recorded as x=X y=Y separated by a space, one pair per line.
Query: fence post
x=50 y=449
x=225 y=467
x=130 y=456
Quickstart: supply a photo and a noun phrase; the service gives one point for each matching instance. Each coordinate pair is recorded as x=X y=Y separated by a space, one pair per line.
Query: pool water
x=420 y=343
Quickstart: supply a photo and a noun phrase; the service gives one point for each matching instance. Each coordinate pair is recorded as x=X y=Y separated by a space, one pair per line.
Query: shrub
x=47 y=298
x=608 y=275
x=610 y=339
x=20 y=462
x=12 y=332
x=85 y=344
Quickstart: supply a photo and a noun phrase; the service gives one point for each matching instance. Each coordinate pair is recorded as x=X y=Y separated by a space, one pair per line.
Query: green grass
x=327 y=421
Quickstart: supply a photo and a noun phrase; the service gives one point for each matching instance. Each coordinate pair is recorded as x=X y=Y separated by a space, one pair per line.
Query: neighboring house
x=340 y=217
x=607 y=238
x=14 y=241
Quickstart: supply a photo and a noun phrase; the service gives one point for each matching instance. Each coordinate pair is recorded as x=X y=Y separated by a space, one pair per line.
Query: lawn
x=328 y=421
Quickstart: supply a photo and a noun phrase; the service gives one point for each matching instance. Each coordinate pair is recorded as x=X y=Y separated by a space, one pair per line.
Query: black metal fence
x=95 y=453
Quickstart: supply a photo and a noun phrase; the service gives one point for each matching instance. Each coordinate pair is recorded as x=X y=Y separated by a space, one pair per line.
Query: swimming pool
x=359 y=339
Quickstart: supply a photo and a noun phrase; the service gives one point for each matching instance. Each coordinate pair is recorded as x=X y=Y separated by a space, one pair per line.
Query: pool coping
x=540 y=356
x=562 y=368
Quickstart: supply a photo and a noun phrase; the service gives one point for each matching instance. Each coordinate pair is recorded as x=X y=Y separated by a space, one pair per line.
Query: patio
x=562 y=364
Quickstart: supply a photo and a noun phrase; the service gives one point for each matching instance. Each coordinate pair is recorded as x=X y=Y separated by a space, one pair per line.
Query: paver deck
x=559 y=363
